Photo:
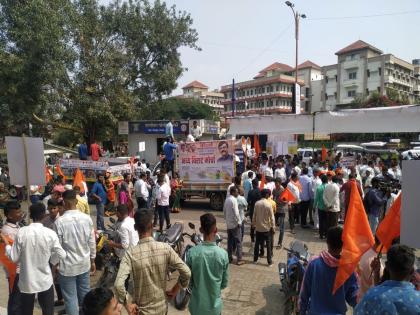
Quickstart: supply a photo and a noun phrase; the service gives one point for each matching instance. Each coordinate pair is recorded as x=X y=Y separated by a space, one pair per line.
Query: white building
x=363 y=69
x=200 y=91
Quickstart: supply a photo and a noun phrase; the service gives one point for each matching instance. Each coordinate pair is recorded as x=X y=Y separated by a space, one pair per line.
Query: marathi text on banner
x=207 y=161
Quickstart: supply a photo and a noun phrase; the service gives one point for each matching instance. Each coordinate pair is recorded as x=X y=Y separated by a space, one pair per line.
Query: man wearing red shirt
x=347 y=189
x=95 y=151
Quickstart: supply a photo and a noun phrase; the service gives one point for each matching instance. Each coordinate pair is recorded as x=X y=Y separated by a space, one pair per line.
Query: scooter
x=106 y=258
x=184 y=295
x=291 y=274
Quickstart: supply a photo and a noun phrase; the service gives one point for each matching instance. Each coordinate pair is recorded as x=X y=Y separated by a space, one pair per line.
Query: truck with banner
x=206 y=169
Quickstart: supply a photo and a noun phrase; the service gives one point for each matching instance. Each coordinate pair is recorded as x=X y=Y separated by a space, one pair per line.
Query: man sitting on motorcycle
x=316 y=296
x=127 y=235
x=209 y=271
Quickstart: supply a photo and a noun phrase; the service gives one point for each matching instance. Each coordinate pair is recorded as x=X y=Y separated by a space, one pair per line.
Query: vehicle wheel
x=182 y=299
x=216 y=201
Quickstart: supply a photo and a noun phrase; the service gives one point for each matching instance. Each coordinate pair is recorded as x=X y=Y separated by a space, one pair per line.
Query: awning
x=373 y=120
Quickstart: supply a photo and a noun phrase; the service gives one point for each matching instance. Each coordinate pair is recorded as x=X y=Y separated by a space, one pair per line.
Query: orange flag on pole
x=262 y=183
x=7 y=263
x=357 y=238
x=323 y=153
x=78 y=180
x=48 y=176
x=287 y=195
x=59 y=171
x=257 y=145
x=390 y=226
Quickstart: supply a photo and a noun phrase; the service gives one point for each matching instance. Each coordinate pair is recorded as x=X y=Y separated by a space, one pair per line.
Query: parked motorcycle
x=172 y=236
x=184 y=295
x=291 y=274
x=106 y=259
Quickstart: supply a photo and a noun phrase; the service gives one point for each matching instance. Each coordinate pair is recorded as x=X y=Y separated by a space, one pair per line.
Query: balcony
x=352 y=64
x=350 y=83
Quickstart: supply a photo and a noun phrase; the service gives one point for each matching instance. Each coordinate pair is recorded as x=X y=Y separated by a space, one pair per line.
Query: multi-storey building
x=363 y=69
x=310 y=73
x=269 y=92
x=200 y=91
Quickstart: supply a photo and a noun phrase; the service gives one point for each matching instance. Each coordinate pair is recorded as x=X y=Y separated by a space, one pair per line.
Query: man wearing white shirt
x=76 y=235
x=163 y=194
x=33 y=248
x=233 y=224
x=142 y=192
x=331 y=199
x=196 y=131
x=280 y=173
x=316 y=182
x=127 y=235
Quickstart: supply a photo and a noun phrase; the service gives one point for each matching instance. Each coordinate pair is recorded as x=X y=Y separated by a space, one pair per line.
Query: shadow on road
x=273 y=299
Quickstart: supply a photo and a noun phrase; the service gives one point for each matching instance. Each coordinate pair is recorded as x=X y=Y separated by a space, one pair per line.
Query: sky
x=240 y=37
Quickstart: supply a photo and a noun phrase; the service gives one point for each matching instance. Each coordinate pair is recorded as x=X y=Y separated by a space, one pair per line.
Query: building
x=200 y=91
x=269 y=92
x=310 y=73
x=363 y=69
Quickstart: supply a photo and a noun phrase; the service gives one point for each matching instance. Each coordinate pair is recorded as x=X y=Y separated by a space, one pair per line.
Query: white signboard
x=410 y=214
x=142 y=146
x=26 y=169
x=297 y=97
x=123 y=127
x=348 y=161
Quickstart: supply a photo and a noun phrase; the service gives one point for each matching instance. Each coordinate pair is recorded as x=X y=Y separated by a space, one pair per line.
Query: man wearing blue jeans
x=374 y=202
x=76 y=235
x=99 y=194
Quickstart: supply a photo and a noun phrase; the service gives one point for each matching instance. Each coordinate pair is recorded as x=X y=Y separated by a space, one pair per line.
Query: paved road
x=253 y=289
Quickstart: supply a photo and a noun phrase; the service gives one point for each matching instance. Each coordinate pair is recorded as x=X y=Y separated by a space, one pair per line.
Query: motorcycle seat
x=174 y=232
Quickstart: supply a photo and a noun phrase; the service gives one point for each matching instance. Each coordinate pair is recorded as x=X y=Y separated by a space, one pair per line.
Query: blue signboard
x=156 y=126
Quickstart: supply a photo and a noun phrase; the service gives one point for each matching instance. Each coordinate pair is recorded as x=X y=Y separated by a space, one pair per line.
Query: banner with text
x=207 y=161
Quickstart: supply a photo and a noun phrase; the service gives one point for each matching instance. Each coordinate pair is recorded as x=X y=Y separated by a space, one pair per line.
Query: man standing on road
x=14 y=216
x=374 y=202
x=264 y=222
x=76 y=235
x=99 y=194
x=142 y=192
x=331 y=199
x=209 y=266
x=148 y=263
x=316 y=293
x=253 y=196
x=347 y=190
x=305 y=196
x=320 y=206
x=33 y=247
x=281 y=208
x=233 y=224
x=162 y=197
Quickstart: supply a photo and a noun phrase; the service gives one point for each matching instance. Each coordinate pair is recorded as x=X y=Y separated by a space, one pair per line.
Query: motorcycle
x=172 y=236
x=106 y=259
x=291 y=274
x=184 y=295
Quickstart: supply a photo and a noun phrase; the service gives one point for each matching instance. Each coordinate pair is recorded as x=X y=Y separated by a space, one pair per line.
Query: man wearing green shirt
x=209 y=271
x=320 y=205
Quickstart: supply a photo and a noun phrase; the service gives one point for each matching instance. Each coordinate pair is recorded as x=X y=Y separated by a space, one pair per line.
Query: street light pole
x=296 y=17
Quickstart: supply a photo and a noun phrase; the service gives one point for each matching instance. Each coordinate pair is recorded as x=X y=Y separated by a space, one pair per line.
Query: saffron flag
x=257 y=146
x=7 y=263
x=78 y=180
x=357 y=238
x=262 y=183
x=59 y=171
x=287 y=195
x=48 y=176
x=323 y=153
x=390 y=226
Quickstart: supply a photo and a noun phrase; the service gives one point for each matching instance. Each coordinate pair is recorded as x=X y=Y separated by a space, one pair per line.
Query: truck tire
x=216 y=201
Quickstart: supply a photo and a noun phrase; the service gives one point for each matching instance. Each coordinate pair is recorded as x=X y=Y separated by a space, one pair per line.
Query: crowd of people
x=56 y=252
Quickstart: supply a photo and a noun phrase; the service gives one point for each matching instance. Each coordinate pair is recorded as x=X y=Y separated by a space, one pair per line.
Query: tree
x=83 y=66
x=35 y=58
x=178 y=108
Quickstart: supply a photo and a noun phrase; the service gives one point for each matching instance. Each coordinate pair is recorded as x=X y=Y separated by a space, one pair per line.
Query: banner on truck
x=207 y=161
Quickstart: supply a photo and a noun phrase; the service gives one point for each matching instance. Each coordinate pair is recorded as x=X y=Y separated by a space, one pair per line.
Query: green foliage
x=178 y=108
x=86 y=65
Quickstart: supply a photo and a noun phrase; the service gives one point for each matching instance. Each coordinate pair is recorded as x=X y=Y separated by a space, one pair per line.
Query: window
x=247 y=92
x=367 y=91
x=379 y=88
x=368 y=73
x=307 y=92
x=326 y=96
x=352 y=75
x=252 y=92
x=380 y=71
x=351 y=93
x=307 y=106
x=336 y=78
x=335 y=95
x=326 y=79
x=263 y=90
